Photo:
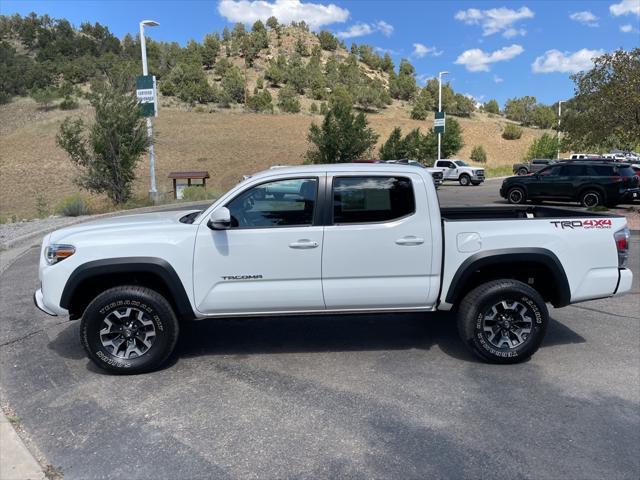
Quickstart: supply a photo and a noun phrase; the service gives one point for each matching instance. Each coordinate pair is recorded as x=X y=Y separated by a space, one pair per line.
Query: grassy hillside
x=227 y=143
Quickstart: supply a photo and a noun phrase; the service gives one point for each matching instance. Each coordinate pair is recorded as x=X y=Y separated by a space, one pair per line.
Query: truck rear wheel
x=503 y=321
x=129 y=329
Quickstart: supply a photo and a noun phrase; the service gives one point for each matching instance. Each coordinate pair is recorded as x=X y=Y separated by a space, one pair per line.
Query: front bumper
x=478 y=177
x=38 y=299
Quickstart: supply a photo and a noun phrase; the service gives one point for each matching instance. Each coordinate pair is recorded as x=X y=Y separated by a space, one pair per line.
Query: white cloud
x=585 y=17
x=565 y=62
x=496 y=20
x=286 y=11
x=476 y=60
x=625 y=7
x=362 y=29
x=423 y=78
x=498 y=79
x=628 y=28
x=385 y=28
x=390 y=51
x=420 y=51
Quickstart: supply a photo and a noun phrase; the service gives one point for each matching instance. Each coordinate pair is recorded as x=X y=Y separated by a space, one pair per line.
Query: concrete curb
x=16 y=461
x=75 y=220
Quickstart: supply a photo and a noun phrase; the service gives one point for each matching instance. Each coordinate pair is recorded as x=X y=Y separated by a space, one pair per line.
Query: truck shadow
x=337 y=333
x=308 y=334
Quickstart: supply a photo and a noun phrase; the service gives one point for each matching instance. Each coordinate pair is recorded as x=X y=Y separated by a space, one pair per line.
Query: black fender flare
x=505 y=256
x=130 y=265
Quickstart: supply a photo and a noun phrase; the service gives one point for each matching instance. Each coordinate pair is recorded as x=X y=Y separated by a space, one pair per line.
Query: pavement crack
x=603 y=312
x=30 y=334
x=19 y=339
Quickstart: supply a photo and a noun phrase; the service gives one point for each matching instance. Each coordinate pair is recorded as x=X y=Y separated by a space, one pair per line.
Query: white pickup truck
x=328 y=239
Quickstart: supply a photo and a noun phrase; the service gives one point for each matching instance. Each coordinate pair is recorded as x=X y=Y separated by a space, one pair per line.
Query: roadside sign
x=147 y=95
x=439 y=122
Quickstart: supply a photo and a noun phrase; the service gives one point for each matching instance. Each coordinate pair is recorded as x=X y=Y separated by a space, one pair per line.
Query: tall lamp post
x=153 y=192
x=440 y=108
x=559 y=118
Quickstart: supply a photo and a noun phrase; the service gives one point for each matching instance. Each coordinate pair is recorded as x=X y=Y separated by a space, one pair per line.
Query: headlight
x=56 y=253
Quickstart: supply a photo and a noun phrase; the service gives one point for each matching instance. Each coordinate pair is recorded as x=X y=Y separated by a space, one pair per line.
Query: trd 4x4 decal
x=587 y=224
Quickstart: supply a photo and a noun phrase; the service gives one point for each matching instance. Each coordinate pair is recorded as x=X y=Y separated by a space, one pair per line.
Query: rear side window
x=600 y=170
x=574 y=170
x=371 y=199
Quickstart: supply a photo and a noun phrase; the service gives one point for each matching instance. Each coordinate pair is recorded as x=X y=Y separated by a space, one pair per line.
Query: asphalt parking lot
x=360 y=396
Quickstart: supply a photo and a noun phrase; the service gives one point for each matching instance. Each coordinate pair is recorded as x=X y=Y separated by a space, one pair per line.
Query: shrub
x=511 y=132
x=68 y=103
x=288 y=100
x=260 y=102
x=478 y=154
x=42 y=208
x=44 y=97
x=327 y=41
x=107 y=152
x=4 y=98
x=74 y=206
x=544 y=147
x=342 y=137
x=323 y=108
x=492 y=107
x=195 y=193
x=233 y=84
x=313 y=108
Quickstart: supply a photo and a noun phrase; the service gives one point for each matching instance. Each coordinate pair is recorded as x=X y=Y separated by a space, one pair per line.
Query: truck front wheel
x=129 y=329
x=503 y=321
x=465 y=180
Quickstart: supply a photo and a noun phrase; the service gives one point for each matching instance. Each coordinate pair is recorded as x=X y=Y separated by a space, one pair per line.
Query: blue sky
x=491 y=49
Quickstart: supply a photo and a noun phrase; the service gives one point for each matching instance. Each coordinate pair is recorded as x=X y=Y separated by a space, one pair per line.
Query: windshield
x=461 y=163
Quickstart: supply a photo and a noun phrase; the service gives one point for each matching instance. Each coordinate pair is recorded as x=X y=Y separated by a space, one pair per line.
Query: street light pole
x=440 y=108
x=559 y=118
x=153 y=192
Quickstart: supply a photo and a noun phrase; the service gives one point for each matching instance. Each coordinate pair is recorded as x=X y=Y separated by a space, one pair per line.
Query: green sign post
x=439 y=122
x=147 y=96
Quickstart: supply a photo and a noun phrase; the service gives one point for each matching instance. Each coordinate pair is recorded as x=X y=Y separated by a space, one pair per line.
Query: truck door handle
x=410 y=240
x=303 y=243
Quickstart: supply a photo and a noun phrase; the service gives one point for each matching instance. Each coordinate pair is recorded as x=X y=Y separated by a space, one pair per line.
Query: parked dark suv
x=588 y=182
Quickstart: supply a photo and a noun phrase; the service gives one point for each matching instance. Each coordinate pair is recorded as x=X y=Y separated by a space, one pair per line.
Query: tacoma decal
x=241 y=277
x=587 y=224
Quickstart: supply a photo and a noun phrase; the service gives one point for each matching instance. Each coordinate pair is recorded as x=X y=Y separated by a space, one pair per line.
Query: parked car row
x=590 y=182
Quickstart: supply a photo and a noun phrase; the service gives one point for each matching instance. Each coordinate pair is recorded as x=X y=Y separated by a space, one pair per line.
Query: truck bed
x=514 y=212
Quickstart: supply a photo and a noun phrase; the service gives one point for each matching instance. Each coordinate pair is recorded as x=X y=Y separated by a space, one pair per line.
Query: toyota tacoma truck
x=328 y=239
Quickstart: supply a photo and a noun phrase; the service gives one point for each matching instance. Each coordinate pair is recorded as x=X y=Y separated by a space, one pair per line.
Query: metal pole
x=439 y=110
x=559 y=118
x=153 y=192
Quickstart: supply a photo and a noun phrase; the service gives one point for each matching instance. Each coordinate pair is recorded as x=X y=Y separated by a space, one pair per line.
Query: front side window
x=283 y=203
x=461 y=163
x=371 y=199
x=550 y=171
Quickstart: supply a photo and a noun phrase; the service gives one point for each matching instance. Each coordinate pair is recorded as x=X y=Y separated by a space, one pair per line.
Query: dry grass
x=228 y=144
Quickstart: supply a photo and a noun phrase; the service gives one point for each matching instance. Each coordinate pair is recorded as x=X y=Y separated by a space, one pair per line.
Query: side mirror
x=220 y=219
x=451 y=167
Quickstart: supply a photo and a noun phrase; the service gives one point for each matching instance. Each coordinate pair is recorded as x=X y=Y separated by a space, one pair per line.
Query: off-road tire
x=516 y=196
x=157 y=313
x=481 y=301
x=465 y=180
x=522 y=171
